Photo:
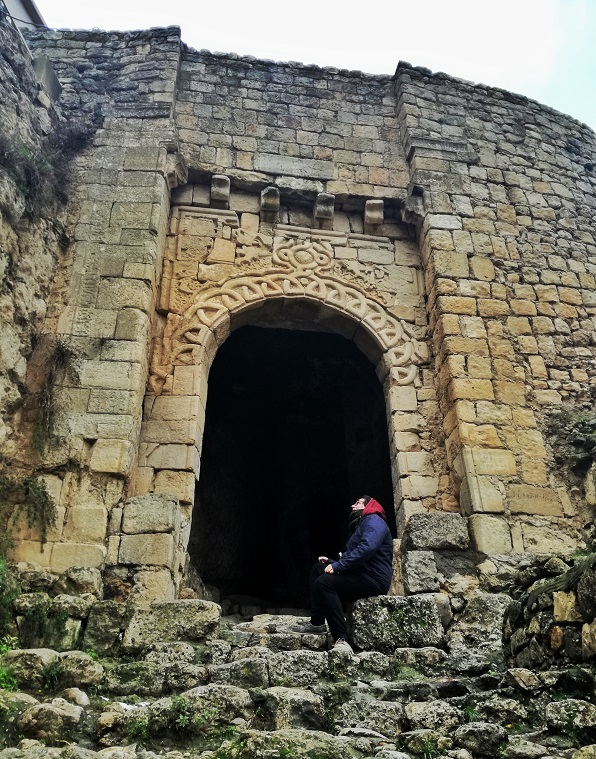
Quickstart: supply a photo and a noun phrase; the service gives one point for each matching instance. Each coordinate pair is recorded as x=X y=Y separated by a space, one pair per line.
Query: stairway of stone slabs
x=177 y=680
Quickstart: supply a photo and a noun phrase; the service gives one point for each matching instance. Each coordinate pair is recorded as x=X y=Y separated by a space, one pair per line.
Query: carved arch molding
x=289 y=269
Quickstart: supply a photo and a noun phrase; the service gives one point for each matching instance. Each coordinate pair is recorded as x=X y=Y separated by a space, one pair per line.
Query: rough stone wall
x=30 y=239
x=120 y=200
x=506 y=218
x=312 y=129
x=419 y=214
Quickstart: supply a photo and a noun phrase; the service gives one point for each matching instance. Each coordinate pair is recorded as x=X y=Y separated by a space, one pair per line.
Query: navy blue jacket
x=369 y=551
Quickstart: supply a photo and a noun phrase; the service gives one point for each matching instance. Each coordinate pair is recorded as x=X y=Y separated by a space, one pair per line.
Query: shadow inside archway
x=295 y=431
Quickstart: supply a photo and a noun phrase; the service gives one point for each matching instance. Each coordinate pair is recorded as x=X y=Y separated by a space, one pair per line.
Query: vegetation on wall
x=572 y=434
x=28 y=497
x=57 y=357
x=41 y=173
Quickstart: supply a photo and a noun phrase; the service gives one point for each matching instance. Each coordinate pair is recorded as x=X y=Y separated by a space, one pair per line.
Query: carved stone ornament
x=298 y=269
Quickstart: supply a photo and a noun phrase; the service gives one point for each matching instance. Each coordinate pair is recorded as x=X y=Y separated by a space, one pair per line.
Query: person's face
x=360 y=504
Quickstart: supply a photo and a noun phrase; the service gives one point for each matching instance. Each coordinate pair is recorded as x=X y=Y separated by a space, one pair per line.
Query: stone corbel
x=176 y=170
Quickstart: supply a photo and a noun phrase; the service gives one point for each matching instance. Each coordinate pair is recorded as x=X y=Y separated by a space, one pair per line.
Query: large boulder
x=30 y=666
x=51 y=722
x=384 y=623
x=166 y=621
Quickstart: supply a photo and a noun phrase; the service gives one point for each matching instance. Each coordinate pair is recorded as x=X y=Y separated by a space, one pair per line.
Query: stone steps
x=186 y=688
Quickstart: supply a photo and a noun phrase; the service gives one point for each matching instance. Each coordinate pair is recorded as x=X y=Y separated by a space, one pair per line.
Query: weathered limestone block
x=86 y=524
x=292 y=707
x=28 y=665
x=529 y=499
x=230 y=702
x=66 y=555
x=107 y=620
x=149 y=549
x=48 y=722
x=436 y=531
x=490 y=535
x=141 y=677
x=178 y=485
x=186 y=620
x=245 y=673
x=384 y=717
x=420 y=572
x=80 y=669
x=475 y=639
x=150 y=513
x=384 y=623
x=297 y=668
x=433 y=715
x=112 y=456
x=481 y=738
x=80 y=580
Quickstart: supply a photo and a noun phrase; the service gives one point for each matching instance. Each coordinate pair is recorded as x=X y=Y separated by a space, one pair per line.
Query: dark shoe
x=310 y=629
x=342 y=645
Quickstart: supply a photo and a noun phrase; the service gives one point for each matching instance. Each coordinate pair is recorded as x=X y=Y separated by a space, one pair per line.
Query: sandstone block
x=451 y=264
x=179 y=485
x=174 y=456
x=489 y=308
x=418 y=462
x=86 y=524
x=565 y=607
x=418 y=486
x=224 y=251
x=493 y=461
x=147 y=549
x=114 y=456
x=479 y=495
x=482 y=268
x=154 y=586
x=66 y=555
x=453 y=304
x=436 y=531
x=131 y=324
x=187 y=620
x=529 y=499
x=490 y=535
x=384 y=623
x=403 y=398
x=32 y=552
x=511 y=393
x=150 y=513
x=476 y=389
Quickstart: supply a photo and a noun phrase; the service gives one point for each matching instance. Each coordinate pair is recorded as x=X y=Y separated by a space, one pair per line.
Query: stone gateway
x=422 y=248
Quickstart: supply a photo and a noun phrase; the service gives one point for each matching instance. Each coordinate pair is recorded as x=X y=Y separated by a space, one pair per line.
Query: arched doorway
x=295 y=430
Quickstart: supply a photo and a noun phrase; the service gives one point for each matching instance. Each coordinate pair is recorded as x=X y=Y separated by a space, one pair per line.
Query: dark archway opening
x=295 y=431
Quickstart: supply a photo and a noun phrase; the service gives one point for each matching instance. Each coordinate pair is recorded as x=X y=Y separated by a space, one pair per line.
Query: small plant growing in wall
x=53 y=360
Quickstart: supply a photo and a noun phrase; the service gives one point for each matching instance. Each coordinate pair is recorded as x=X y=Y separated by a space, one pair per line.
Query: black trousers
x=329 y=594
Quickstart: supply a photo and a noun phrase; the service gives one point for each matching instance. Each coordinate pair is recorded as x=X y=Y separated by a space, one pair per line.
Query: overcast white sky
x=545 y=49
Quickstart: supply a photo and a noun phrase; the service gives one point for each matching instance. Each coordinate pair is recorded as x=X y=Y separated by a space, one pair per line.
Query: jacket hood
x=374 y=507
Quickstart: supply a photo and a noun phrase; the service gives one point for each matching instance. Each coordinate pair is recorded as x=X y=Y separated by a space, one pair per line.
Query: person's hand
x=329 y=569
x=323 y=559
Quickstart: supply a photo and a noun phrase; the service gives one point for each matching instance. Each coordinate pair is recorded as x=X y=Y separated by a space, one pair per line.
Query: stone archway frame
x=298 y=275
